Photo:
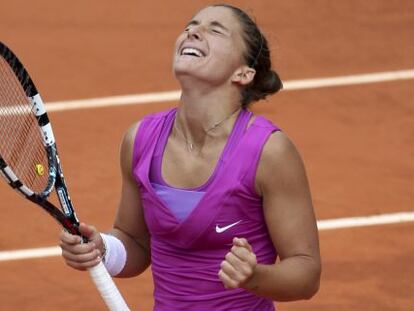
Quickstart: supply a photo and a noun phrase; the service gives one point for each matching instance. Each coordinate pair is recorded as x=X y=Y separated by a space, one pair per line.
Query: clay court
x=356 y=139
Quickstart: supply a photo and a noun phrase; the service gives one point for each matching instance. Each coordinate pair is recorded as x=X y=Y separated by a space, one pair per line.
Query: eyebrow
x=213 y=23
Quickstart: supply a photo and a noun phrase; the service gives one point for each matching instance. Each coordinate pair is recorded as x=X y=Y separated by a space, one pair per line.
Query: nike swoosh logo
x=222 y=229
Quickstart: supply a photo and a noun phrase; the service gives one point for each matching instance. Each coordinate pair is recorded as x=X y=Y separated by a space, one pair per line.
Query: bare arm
x=129 y=225
x=282 y=182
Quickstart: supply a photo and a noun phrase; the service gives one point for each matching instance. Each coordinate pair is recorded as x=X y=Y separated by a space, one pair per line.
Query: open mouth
x=192 y=52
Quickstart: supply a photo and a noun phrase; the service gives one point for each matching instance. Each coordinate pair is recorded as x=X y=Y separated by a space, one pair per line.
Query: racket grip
x=107 y=288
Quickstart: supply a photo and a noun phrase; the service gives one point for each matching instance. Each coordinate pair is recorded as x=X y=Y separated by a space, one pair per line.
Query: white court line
x=327 y=224
x=175 y=95
x=349 y=80
x=364 y=221
x=114 y=101
x=30 y=253
x=291 y=85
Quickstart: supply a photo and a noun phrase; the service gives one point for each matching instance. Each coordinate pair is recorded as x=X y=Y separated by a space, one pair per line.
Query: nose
x=194 y=32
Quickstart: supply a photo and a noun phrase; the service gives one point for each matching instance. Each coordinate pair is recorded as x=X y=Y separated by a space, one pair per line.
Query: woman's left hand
x=238 y=266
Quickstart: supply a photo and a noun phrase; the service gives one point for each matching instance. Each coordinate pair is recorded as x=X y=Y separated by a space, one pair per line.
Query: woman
x=211 y=194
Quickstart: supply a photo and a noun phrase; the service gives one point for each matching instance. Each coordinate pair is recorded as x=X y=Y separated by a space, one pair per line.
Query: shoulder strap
x=251 y=148
x=147 y=133
x=238 y=132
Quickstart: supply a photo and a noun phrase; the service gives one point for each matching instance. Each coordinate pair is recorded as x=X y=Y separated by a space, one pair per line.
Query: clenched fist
x=239 y=265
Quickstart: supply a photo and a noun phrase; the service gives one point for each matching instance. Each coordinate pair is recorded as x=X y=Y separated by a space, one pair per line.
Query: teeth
x=191 y=51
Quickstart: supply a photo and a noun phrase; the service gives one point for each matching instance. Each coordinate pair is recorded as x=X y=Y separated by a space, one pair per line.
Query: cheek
x=179 y=41
x=227 y=58
x=234 y=51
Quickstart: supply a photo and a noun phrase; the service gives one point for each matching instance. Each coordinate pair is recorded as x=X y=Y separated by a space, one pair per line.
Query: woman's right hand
x=79 y=255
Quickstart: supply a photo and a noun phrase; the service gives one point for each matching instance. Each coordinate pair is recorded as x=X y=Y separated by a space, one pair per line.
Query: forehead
x=223 y=15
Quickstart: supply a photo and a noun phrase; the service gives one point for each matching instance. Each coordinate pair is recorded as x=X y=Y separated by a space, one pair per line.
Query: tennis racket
x=29 y=160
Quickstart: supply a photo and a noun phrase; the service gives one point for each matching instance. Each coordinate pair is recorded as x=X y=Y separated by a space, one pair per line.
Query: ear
x=243 y=75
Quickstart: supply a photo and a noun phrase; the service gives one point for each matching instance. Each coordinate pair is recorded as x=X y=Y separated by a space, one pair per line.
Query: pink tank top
x=186 y=254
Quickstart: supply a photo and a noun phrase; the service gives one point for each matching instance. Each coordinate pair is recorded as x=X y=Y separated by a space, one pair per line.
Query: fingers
x=80 y=255
x=239 y=264
x=81 y=259
x=68 y=238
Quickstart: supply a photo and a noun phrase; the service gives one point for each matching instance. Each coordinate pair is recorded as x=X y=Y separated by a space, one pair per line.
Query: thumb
x=87 y=231
x=242 y=242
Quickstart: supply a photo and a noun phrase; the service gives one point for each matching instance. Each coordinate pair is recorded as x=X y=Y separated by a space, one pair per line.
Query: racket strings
x=21 y=142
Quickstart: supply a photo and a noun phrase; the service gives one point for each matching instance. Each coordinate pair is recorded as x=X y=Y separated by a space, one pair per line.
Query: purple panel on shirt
x=181 y=202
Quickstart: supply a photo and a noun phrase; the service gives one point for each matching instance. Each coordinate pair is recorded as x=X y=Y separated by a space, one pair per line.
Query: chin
x=182 y=69
x=186 y=71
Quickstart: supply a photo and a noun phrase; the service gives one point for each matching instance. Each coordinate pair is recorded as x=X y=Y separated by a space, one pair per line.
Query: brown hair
x=257 y=56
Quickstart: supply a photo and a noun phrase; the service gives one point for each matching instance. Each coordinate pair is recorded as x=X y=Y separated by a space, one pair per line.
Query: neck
x=200 y=110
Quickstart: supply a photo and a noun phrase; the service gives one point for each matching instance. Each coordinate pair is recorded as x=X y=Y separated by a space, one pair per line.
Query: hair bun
x=271 y=83
x=268 y=83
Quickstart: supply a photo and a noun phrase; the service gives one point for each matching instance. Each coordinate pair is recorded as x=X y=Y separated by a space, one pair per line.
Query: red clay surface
x=357 y=141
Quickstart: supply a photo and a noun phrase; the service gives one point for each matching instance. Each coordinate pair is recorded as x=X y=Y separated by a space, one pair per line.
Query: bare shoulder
x=279 y=150
x=127 y=148
x=280 y=162
x=129 y=136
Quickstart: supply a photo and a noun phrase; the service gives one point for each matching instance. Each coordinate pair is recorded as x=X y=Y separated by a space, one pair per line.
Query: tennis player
x=212 y=194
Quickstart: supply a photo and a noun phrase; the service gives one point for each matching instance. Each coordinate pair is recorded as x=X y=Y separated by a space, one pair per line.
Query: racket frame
x=56 y=181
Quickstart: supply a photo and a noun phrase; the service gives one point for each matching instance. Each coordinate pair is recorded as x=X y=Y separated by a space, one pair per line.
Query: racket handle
x=107 y=288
